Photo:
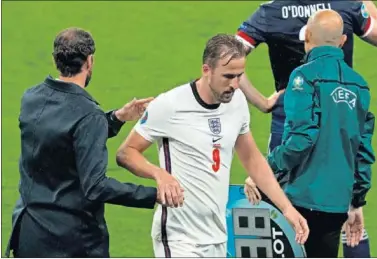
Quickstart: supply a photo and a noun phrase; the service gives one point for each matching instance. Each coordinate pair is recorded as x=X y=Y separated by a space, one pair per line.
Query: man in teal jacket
x=326 y=147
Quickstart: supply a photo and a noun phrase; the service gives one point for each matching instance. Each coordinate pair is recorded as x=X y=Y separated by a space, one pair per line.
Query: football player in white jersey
x=197 y=126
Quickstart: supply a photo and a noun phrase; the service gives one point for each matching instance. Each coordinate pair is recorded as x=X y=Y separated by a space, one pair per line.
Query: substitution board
x=258 y=230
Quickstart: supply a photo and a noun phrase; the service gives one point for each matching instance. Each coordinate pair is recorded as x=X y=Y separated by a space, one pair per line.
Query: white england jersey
x=195 y=144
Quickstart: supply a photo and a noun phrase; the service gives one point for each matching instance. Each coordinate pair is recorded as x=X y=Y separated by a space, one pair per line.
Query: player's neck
x=205 y=92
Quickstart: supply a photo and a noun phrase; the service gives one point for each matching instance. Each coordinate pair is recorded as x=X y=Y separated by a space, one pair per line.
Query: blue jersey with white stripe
x=281 y=25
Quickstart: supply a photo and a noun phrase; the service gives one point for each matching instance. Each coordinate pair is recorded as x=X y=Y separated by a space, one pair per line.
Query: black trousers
x=325 y=228
x=30 y=240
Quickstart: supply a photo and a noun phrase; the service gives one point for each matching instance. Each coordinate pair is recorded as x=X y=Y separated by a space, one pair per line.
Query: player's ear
x=206 y=69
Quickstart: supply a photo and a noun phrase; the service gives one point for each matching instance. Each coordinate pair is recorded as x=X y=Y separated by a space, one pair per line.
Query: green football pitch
x=143 y=49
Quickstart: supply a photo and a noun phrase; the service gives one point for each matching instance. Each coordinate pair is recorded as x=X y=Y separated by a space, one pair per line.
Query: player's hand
x=252 y=192
x=354 y=226
x=298 y=223
x=169 y=191
x=271 y=101
x=133 y=110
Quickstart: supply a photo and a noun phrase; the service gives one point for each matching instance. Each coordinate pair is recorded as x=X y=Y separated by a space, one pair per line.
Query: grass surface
x=143 y=48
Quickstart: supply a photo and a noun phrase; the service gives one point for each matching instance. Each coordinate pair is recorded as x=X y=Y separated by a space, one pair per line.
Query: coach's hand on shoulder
x=299 y=224
x=133 y=110
x=251 y=191
x=271 y=101
x=169 y=191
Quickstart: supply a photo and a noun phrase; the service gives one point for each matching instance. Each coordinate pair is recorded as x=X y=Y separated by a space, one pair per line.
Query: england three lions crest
x=215 y=125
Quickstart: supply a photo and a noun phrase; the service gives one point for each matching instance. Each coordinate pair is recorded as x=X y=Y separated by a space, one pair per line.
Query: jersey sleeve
x=155 y=122
x=245 y=126
x=362 y=22
x=252 y=31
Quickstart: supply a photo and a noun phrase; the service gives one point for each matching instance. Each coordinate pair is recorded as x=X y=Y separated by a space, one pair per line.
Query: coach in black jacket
x=63 y=186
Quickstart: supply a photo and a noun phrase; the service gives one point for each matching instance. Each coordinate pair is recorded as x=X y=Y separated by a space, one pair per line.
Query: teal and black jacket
x=327 y=141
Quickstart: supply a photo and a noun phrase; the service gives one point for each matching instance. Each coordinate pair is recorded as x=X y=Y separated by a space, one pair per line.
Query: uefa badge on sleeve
x=144 y=118
x=258 y=230
x=364 y=11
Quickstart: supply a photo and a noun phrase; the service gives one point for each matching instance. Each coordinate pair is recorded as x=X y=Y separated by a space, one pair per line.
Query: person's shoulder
x=353 y=76
x=169 y=100
x=239 y=95
x=303 y=73
x=308 y=67
x=34 y=94
x=83 y=106
x=303 y=69
x=239 y=99
x=270 y=9
x=177 y=91
x=346 y=6
x=349 y=10
x=33 y=89
x=271 y=5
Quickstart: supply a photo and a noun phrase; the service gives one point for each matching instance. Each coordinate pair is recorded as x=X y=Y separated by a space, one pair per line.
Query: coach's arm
x=129 y=112
x=89 y=143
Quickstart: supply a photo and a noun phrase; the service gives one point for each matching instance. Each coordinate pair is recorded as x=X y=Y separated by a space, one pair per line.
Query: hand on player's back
x=271 y=101
x=133 y=110
x=169 y=191
x=299 y=224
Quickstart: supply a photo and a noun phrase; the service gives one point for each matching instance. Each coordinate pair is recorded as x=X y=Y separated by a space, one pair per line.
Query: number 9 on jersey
x=216 y=159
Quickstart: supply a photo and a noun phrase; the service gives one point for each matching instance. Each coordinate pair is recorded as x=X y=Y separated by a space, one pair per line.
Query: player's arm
x=259 y=170
x=256 y=98
x=153 y=125
x=370 y=35
x=302 y=117
x=364 y=15
x=130 y=156
x=89 y=142
x=252 y=33
x=364 y=160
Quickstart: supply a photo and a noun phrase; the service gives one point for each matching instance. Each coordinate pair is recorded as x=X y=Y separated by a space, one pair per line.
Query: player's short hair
x=72 y=47
x=220 y=46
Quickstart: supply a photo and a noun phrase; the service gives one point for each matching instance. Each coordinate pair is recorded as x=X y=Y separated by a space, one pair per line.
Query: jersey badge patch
x=297 y=83
x=215 y=125
x=144 y=118
x=364 y=11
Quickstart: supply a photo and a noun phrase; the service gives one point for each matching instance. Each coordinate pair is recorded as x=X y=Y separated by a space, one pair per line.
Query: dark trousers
x=324 y=234
x=30 y=240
